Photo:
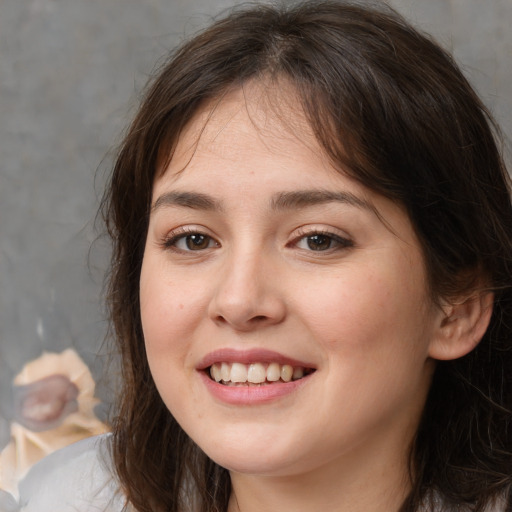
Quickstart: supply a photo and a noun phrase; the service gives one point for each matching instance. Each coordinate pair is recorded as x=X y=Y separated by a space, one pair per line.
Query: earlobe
x=462 y=325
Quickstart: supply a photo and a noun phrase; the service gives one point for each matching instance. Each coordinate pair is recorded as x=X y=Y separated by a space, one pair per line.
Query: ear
x=462 y=326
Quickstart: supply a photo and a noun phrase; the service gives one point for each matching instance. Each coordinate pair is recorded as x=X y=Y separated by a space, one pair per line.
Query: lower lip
x=251 y=395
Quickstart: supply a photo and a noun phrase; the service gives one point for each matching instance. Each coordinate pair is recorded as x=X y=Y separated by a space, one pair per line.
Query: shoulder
x=502 y=504
x=78 y=478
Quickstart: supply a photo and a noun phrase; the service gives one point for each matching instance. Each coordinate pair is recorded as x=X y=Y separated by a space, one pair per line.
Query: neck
x=374 y=478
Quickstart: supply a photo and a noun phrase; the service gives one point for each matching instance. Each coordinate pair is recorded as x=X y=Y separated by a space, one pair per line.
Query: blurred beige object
x=54 y=407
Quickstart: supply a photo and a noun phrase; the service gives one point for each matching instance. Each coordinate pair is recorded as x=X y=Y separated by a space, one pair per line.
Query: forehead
x=254 y=119
x=258 y=129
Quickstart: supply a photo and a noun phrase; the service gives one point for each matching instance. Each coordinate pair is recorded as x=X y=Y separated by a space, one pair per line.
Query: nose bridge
x=247 y=293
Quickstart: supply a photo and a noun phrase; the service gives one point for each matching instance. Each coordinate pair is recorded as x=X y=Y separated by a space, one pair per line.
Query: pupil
x=319 y=242
x=195 y=242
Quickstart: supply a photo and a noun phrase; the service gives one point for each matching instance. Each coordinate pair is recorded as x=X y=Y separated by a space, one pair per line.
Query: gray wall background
x=70 y=75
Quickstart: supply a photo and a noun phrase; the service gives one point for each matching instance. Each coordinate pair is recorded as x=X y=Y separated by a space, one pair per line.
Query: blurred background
x=71 y=73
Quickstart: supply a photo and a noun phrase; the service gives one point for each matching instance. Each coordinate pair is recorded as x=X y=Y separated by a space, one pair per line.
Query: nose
x=248 y=294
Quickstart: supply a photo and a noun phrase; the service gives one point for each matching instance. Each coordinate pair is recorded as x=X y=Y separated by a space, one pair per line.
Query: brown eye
x=319 y=242
x=197 y=242
x=190 y=241
x=322 y=242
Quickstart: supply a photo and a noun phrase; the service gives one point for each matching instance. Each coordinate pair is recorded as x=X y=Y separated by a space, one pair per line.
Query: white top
x=77 y=478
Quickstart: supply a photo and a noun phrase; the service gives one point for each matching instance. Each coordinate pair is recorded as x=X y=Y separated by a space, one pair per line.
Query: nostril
x=246 y=312
x=220 y=319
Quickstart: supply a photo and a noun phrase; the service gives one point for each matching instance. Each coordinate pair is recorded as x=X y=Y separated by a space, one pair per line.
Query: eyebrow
x=280 y=201
x=194 y=200
x=304 y=198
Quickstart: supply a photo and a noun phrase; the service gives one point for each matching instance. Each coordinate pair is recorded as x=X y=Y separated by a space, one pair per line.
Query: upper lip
x=230 y=355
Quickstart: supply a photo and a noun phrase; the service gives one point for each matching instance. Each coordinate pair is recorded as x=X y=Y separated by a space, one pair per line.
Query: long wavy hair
x=388 y=104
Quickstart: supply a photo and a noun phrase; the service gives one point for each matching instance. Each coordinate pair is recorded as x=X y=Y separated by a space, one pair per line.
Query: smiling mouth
x=255 y=374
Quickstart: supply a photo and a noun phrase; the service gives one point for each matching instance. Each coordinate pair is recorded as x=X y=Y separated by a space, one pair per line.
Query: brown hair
x=388 y=104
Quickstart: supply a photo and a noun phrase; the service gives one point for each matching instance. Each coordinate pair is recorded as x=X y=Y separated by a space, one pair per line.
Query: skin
x=357 y=311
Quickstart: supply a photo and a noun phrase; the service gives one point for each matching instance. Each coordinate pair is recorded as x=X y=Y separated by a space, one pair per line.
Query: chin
x=253 y=464
x=240 y=454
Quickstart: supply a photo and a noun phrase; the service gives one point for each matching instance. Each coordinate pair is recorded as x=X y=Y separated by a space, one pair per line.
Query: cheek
x=374 y=332
x=349 y=307
x=373 y=313
x=166 y=320
x=171 y=310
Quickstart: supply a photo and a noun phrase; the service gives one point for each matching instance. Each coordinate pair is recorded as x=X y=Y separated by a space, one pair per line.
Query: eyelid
x=170 y=239
x=343 y=240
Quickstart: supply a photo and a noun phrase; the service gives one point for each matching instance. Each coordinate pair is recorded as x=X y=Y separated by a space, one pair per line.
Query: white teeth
x=225 y=372
x=273 y=372
x=255 y=373
x=215 y=372
x=238 y=372
x=286 y=372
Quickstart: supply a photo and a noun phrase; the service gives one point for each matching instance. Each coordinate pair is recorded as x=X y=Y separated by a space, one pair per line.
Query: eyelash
x=171 y=240
x=338 y=241
x=334 y=242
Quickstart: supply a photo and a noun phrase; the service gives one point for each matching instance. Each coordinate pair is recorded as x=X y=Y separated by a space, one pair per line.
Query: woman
x=311 y=280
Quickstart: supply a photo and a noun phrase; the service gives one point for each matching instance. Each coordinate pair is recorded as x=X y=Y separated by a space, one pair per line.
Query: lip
x=229 y=355
x=250 y=395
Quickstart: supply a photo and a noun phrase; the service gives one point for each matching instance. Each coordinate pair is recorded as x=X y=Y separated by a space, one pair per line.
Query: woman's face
x=302 y=292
